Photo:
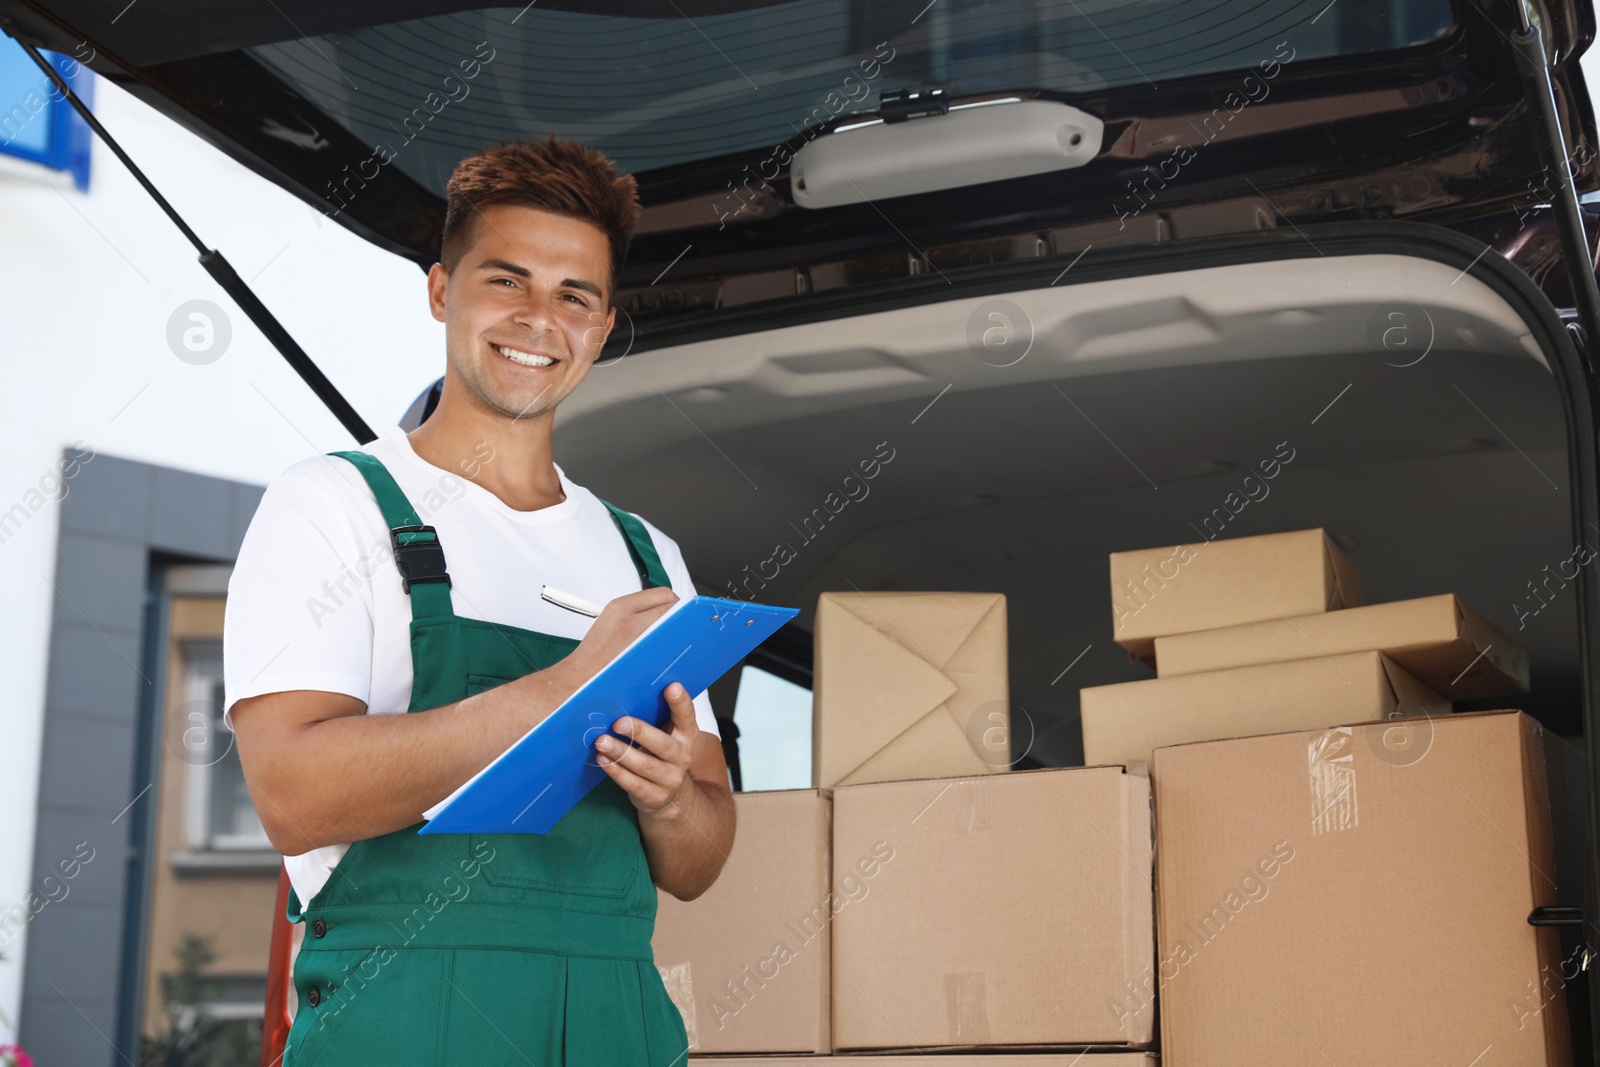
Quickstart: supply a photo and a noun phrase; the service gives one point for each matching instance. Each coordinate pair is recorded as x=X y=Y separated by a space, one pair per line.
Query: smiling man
x=385 y=639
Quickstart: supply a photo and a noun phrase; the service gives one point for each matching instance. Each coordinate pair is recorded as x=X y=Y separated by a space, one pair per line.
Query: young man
x=405 y=578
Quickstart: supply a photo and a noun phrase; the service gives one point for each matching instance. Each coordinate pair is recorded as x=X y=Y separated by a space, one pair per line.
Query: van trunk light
x=925 y=155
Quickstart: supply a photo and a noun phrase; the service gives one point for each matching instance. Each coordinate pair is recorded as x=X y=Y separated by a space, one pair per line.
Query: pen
x=569 y=601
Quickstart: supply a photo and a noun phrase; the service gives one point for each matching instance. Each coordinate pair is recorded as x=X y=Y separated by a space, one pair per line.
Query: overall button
x=318 y=928
x=313 y=996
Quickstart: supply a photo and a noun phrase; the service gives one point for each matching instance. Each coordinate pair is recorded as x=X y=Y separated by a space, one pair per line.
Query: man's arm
x=321 y=771
x=679 y=784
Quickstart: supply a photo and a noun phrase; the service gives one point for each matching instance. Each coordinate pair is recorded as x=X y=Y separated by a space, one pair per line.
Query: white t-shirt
x=315 y=600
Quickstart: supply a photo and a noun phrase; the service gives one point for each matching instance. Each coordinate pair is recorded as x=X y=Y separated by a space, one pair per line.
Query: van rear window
x=654 y=93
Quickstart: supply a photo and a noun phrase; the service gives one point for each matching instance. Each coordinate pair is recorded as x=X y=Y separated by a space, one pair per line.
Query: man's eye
x=507 y=281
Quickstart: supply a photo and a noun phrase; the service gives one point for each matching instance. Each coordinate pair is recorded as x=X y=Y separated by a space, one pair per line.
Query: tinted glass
x=655 y=92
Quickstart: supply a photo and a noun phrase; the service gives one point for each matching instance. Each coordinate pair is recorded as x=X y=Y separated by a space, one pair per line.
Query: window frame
x=69 y=139
x=202 y=670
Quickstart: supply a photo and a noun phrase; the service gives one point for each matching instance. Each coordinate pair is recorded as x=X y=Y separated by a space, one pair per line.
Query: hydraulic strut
x=220 y=269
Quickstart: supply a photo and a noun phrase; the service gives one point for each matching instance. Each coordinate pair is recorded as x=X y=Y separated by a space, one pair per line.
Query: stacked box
x=747 y=962
x=909 y=685
x=1181 y=588
x=1326 y=829
x=1258 y=635
x=1124 y=723
x=959 y=907
x=1330 y=896
x=1012 y=910
x=1446 y=645
x=1336 y=869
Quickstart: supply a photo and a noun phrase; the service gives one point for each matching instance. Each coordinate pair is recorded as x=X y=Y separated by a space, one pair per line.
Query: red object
x=275 y=1023
x=15 y=1056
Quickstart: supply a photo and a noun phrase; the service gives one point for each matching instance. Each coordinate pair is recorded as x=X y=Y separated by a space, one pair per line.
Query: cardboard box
x=1334 y=896
x=1127 y=721
x=909 y=685
x=1180 y=588
x=1446 y=645
x=1091 y=1058
x=1009 y=910
x=720 y=954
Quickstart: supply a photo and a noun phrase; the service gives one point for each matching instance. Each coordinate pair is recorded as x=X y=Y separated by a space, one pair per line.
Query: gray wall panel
x=116 y=514
x=98 y=882
x=94 y=670
x=90 y=771
x=243 y=503
x=71 y=945
x=190 y=513
x=109 y=496
x=104 y=584
x=74 y=1037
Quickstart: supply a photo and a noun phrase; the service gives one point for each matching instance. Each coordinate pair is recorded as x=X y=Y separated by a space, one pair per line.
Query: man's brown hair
x=562 y=177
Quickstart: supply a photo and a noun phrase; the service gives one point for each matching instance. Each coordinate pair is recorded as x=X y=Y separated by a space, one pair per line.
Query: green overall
x=478 y=949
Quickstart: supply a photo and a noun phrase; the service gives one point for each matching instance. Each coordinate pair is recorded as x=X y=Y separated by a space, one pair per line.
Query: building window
x=207 y=1017
x=209 y=904
x=36 y=122
x=219 y=814
x=226 y=998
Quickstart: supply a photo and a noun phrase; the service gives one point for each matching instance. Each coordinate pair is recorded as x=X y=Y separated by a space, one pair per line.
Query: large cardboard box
x=1358 y=895
x=1180 y=588
x=1127 y=721
x=909 y=685
x=1446 y=645
x=1009 y=910
x=747 y=961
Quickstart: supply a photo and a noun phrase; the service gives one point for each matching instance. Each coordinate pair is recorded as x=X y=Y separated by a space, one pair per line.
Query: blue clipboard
x=536 y=781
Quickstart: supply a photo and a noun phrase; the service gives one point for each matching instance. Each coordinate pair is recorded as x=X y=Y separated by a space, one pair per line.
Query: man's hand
x=656 y=774
x=618 y=623
x=678 y=782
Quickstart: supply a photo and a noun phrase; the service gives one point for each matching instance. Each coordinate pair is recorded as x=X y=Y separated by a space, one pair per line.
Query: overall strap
x=640 y=547
x=417 y=552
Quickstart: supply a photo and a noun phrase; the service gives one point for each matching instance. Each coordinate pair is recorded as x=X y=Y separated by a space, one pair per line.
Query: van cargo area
x=1142 y=410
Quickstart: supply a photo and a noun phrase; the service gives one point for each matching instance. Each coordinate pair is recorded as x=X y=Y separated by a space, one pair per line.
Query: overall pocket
x=377 y=1005
x=594 y=851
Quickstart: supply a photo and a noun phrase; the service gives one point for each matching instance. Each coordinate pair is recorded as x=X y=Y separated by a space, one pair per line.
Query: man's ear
x=438 y=279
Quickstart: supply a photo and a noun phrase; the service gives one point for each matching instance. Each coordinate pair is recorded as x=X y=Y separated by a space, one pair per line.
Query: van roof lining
x=1287 y=308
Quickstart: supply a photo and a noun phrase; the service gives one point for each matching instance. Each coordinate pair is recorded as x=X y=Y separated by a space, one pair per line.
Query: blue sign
x=36 y=121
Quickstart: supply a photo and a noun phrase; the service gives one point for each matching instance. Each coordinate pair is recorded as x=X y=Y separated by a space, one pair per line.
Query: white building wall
x=89 y=282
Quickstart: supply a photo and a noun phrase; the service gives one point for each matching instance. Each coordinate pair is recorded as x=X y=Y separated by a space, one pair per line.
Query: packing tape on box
x=1330 y=758
x=680 y=990
x=967 y=1007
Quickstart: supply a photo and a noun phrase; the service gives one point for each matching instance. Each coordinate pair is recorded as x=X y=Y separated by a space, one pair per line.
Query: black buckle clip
x=418 y=560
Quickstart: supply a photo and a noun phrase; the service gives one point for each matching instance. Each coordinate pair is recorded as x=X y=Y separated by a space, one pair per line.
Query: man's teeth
x=527 y=359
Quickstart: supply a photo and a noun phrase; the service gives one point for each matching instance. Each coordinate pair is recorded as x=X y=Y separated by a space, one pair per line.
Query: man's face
x=525 y=309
